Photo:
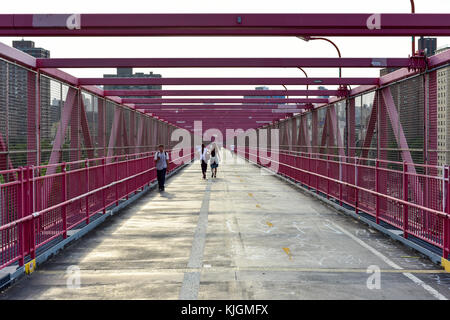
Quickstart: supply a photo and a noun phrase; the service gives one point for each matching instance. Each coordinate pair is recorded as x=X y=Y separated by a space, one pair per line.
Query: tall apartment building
x=29 y=47
x=428 y=45
x=263 y=96
x=128 y=73
x=18 y=79
x=443 y=113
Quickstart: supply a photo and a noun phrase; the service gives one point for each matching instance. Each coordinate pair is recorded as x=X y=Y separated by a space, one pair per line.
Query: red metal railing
x=36 y=208
x=415 y=203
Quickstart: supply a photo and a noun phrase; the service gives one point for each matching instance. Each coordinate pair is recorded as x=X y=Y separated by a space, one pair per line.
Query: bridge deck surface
x=242 y=235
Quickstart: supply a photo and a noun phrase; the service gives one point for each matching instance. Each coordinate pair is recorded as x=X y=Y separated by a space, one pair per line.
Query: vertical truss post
x=74 y=129
x=38 y=117
x=66 y=116
x=315 y=130
x=101 y=127
x=397 y=128
x=132 y=132
x=370 y=129
x=125 y=139
x=140 y=134
x=32 y=96
x=306 y=136
x=294 y=133
x=85 y=130
x=114 y=134
x=324 y=140
x=335 y=129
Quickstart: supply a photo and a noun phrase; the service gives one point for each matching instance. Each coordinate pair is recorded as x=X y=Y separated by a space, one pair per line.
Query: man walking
x=162 y=163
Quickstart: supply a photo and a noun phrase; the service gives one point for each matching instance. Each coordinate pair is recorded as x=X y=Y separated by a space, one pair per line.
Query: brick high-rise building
x=128 y=73
x=443 y=113
x=28 y=46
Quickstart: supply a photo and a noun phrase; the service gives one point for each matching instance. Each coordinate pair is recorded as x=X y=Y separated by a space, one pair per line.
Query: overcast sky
x=225 y=46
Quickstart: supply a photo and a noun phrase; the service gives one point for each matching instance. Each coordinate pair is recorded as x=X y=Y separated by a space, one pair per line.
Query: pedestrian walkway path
x=243 y=235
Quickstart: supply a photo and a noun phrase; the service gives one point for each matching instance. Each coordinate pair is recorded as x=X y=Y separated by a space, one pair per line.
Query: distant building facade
x=28 y=47
x=20 y=76
x=128 y=73
x=264 y=97
x=443 y=113
x=323 y=88
x=428 y=45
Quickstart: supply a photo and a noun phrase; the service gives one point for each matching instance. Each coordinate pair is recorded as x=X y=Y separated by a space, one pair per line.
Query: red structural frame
x=306 y=24
x=335 y=175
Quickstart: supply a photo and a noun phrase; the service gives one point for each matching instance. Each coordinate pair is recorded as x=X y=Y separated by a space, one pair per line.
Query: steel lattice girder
x=317 y=24
x=222 y=62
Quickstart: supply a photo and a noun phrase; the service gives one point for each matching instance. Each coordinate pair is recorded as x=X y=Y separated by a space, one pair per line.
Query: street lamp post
x=413 y=10
x=328 y=40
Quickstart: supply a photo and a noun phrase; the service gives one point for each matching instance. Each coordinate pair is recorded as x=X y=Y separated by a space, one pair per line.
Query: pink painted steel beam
x=221 y=62
x=397 y=127
x=221 y=114
x=215 y=106
x=190 y=32
x=263 y=93
x=224 y=115
x=66 y=116
x=227 y=81
x=340 y=24
x=220 y=100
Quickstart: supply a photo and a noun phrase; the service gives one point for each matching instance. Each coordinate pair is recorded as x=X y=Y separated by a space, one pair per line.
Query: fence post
x=127 y=183
x=446 y=204
x=64 y=197
x=405 y=198
x=317 y=178
x=377 y=190
x=87 y=190
x=356 y=184
x=31 y=208
x=117 y=179
x=328 y=176
x=104 y=184
x=21 y=226
x=340 y=181
x=309 y=170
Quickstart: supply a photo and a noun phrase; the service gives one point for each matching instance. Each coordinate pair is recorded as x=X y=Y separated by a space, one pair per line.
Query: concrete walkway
x=241 y=236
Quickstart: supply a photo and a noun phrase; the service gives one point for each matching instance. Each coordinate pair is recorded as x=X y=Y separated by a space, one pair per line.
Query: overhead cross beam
x=256 y=93
x=220 y=100
x=218 y=106
x=318 y=24
x=227 y=81
x=222 y=62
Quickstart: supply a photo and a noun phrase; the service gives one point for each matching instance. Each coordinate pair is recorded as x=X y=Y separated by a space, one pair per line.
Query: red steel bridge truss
x=70 y=150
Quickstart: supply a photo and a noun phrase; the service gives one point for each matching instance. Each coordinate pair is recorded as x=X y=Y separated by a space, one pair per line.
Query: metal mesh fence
x=44 y=120
x=407 y=120
x=17 y=116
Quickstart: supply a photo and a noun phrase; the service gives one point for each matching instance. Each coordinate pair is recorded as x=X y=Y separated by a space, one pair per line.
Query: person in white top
x=204 y=160
x=214 y=161
x=162 y=166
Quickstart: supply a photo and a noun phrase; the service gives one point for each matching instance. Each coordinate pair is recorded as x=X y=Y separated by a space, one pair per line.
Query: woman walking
x=204 y=160
x=214 y=161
